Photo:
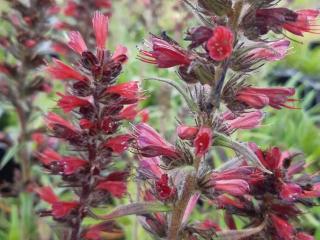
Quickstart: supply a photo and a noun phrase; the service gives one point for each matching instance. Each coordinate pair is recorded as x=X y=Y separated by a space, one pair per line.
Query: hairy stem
x=180 y=207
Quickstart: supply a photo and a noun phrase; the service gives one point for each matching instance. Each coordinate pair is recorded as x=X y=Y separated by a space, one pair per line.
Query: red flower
x=76 y=42
x=203 y=141
x=314 y=192
x=72 y=164
x=49 y=156
x=271 y=159
x=103 y=3
x=260 y=97
x=62 y=71
x=53 y=121
x=116 y=188
x=119 y=143
x=164 y=54
x=186 y=132
x=245 y=121
x=235 y=187
x=304 y=236
x=151 y=144
x=129 y=112
x=163 y=190
x=70 y=9
x=283 y=228
x=220 y=45
x=290 y=191
x=295 y=22
x=115 y=184
x=128 y=91
x=273 y=51
x=60 y=209
x=99 y=231
x=100 y=27
x=70 y=102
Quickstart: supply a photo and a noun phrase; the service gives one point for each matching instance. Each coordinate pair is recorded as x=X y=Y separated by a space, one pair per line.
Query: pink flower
x=314 y=192
x=304 y=236
x=100 y=25
x=62 y=71
x=164 y=54
x=258 y=98
x=150 y=168
x=76 y=42
x=235 y=187
x=245 y=121
x=274 y=51
x=220 y=45
x=283 y=228
x=186 y=132
x=119 y=143
x=103 y=4
x=70 y=102
x=203 y=141
x=151 y=144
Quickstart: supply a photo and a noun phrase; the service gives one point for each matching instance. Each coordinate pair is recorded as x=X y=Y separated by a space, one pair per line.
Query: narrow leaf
x=240 y=234
x=9 y=155
x=193 y=107
x=135 y=209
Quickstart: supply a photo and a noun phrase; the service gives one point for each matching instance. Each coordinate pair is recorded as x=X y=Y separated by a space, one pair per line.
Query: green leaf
x=9 y=155
x=135 y=209
x=193 y=107
x=14 y=233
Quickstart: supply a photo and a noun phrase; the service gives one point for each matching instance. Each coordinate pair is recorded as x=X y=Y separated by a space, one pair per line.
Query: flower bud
x=215 y=7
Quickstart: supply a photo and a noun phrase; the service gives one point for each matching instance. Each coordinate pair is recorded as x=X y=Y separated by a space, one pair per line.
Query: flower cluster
x=265 y=188
x=98 y=108
x=24 y=49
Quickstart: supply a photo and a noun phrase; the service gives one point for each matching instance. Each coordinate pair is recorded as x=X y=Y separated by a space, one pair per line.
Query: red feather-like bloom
x=164 y=54
x=62 y=71
x=76 y=42
x=220 y=45
x=258 y=98
x=70 y=102
x=151 y=144
x=100 y=27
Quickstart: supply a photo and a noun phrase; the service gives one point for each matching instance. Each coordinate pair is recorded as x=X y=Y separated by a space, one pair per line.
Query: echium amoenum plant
x=98 y=108
x=24 y=49
x=265 y=190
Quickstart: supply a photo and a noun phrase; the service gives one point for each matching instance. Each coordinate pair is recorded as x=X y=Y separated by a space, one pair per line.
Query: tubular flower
x=119 y=143
x=260 y=97
x=100 y=27
x=203 y=141
x=151 y=144
x=68 y=103
x=59 y=126
x=277 y=19
x=273 y=51
x=245 y=121
x=59 y=209
x=165 y=54
x=62 y=71
x=220 y=45
x=235 y=187
x=283 y=228
x=186 y=132
x=128 y=92
x=76 y=42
